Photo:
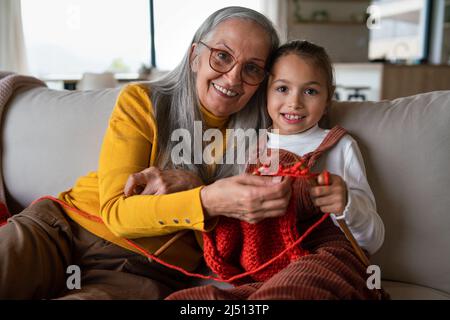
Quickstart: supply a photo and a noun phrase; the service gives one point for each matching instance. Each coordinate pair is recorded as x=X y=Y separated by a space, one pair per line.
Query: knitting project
x=239 y=252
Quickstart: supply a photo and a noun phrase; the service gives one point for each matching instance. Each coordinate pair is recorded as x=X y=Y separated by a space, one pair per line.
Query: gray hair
x=176 y=103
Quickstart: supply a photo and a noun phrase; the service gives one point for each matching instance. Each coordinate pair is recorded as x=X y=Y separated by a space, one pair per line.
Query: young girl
x=261 y=258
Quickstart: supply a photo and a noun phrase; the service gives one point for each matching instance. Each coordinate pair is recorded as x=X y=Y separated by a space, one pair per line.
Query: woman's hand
x=247 y=197
x=155 y=181
x=330 y=198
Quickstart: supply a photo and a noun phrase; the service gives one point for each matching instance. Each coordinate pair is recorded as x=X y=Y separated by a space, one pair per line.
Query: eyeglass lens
x=222 y=61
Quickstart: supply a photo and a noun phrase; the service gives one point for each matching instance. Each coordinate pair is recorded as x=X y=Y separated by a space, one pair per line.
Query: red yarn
x=240 y=252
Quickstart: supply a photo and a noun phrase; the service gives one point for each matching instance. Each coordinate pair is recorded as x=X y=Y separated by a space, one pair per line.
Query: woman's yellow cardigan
x=129 y=146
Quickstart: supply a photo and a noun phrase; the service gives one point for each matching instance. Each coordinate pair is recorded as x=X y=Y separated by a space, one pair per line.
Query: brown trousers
x=38 y=244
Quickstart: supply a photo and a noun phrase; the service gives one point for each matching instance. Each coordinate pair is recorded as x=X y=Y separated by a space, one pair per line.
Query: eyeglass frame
x=211 y=49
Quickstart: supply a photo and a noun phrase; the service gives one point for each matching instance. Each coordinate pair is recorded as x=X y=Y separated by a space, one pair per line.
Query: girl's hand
x=247 y=197
x=330 y=198
x=155 y=181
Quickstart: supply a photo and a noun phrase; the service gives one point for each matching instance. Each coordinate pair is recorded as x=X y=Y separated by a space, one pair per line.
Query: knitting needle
x=169 y=243
x=362 y=256
x=344 y=227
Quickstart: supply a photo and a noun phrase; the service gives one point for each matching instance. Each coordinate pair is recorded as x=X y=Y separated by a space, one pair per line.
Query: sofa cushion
x=50 y=138
x=406 y=147
x=405 y=291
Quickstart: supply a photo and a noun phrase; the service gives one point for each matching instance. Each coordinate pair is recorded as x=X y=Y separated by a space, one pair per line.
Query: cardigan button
x=187 y=220
x=161 y=222
x=175 y=220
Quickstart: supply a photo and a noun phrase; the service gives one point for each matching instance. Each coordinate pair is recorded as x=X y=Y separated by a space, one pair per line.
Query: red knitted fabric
x=235 y=246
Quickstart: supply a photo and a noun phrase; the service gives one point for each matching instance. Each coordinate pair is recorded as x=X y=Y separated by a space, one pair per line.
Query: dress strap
x=331 y=139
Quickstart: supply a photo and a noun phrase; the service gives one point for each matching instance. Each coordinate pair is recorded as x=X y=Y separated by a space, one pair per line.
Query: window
x=176 y=22
x=402 y=31
x=69 y=37
x=65 y=38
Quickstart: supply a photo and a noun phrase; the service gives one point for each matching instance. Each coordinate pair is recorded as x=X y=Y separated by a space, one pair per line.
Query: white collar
x=283 y=140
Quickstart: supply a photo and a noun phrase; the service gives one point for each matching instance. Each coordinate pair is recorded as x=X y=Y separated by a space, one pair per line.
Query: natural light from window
x=69 y=37
x=65 y=38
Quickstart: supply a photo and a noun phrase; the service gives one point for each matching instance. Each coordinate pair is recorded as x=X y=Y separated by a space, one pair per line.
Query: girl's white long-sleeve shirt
x=345 y=160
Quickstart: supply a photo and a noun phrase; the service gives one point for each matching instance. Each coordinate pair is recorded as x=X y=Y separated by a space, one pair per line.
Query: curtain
x=12 y=43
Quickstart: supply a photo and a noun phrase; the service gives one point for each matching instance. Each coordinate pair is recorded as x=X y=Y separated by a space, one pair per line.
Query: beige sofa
x=49 y=138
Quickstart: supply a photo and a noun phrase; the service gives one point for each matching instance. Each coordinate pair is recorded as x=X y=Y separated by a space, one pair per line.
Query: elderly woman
x=217 y=83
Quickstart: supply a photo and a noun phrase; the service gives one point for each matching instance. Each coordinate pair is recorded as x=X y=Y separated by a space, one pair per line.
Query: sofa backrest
x=50 y=138
x=406 y=147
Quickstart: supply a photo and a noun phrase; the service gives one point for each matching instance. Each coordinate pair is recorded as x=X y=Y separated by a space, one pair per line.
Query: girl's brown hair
x=319 y=57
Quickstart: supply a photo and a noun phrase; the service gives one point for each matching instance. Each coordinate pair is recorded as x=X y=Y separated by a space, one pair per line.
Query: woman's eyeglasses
x=222 y=61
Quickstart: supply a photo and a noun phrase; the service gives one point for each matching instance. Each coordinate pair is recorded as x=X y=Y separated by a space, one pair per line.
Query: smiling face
x=297 y=94
x=225 y=93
